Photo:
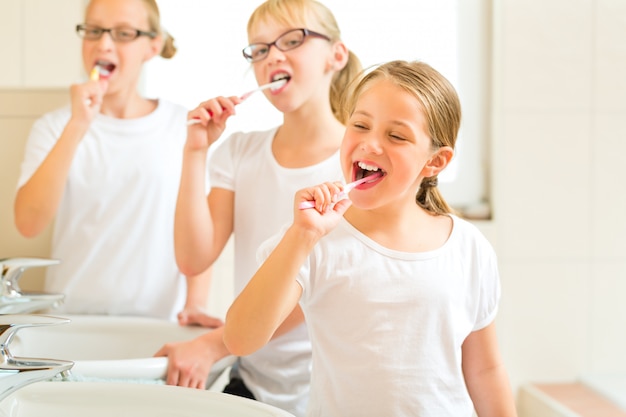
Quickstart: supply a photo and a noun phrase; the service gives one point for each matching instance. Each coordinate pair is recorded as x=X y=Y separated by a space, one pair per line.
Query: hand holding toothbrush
x=86 y=98
x=328 y=208
x=212 y=115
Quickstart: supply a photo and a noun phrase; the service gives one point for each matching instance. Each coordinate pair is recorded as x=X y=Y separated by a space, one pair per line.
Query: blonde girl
x=399 y=295
x=106 y=169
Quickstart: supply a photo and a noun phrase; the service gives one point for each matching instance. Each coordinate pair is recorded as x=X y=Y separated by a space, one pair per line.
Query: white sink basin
x=109 y=347
x=105 y=399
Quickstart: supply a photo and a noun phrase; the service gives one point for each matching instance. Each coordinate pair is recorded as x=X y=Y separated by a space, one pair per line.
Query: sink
x=105 y=399
x=118 y=348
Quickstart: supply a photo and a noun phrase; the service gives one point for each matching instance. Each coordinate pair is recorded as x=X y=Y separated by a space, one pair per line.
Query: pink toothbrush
x=344 y=193
x=273 y=85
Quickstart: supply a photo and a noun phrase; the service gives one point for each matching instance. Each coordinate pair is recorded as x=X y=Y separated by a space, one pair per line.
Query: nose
x=371 y=144
x=274 y=54
x=106 y=41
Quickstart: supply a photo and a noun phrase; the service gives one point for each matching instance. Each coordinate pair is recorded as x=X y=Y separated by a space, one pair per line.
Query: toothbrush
x=344 y=193
x=274 y=85
x=94 y=75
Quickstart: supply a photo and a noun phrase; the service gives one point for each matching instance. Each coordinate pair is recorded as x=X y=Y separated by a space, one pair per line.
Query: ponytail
x=340 y=86
x=430 y=199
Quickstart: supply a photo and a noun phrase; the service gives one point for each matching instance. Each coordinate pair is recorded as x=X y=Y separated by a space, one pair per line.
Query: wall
x=18 y=111
x=558 y=149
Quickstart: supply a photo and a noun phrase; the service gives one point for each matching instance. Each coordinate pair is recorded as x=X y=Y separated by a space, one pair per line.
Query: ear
x=155 y=48
x=437 y=162
x=339 y=57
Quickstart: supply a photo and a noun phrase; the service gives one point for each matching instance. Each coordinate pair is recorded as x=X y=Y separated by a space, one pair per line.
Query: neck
x=127 y=105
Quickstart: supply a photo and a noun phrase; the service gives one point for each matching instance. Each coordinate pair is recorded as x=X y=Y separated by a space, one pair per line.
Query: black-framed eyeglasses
x=285 y=42
x=118 y=34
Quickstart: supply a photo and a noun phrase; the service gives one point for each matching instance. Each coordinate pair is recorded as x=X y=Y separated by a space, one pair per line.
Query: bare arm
x=485 y=375
x=202 y=226
x=37 y=201
x=194 y=312
x=272 y=294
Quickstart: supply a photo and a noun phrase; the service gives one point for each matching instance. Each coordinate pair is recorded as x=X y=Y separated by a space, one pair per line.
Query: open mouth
x=280 y=76
x=105 y=68
x=362 y=170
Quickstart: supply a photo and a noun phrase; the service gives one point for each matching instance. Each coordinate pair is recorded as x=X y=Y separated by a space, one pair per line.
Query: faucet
x=16 y=373
x=12 y=299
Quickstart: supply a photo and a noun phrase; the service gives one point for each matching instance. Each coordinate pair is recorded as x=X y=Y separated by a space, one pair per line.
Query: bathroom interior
x=544 y=94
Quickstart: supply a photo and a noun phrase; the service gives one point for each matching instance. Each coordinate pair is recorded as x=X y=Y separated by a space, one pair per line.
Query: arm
x=37 y=201
x=197 y=299
x=202 y=226
x=485 y=375
x=273 y=293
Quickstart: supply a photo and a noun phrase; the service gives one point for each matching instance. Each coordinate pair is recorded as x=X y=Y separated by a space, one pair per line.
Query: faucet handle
x=11 y=269
x=11 y=323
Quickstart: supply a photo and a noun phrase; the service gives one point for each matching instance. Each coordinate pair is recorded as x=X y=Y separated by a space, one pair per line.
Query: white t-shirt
x=387 y=326
x=114 y=227
x=279 y=373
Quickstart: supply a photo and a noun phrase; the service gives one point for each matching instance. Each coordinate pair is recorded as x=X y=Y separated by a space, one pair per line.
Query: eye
x=126 y=34
x=396 y=137
x=259 y=51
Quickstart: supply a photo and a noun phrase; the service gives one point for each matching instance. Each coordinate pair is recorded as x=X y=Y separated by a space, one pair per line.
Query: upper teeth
x=280 y=76
x=363 y=165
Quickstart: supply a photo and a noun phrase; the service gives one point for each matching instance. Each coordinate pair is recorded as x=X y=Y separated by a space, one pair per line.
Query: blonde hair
x=306 y=12
x=154 y=22
x=441 y=107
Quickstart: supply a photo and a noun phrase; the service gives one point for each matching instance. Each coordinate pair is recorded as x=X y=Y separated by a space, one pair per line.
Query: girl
x=253 y=176
x=399 y=294
x=107 y=167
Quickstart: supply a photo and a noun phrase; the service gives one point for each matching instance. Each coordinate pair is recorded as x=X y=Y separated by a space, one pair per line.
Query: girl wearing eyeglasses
x=253 y=176
x=106 y=169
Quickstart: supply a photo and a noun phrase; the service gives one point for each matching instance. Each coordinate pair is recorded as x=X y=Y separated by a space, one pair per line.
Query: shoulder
x=240 y=143
x=166 y=107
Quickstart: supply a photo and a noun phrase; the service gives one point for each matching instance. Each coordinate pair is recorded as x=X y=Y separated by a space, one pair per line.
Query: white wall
x=558 y=148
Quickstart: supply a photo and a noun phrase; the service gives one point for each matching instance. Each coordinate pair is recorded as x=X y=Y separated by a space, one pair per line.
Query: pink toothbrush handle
x=306 y=205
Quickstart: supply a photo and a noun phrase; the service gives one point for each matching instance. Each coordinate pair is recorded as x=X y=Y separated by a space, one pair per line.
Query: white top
x=114 y=229
x=279 y=373
x=387 y=326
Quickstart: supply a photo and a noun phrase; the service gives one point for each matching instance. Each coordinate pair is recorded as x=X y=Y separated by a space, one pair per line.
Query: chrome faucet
x=18 y=372
x=12 y=299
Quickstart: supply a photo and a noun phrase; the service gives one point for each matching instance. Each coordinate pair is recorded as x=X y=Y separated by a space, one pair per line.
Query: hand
x=191 y=316
x=212 y=115
x=190 y=362
x=86 y=99
x=327 y=212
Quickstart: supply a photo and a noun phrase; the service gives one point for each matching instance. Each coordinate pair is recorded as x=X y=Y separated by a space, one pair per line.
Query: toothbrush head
x=94 y=75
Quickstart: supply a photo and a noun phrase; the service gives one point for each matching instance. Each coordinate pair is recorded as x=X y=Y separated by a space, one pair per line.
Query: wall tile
x=610 y=56
x=546 y=50
x=607 y=339
x=608 y=195
x=542 y=322
x=542 y=191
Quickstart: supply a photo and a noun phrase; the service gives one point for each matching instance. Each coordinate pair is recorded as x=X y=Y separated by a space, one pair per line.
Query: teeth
x=363 y=165
x=282 y=76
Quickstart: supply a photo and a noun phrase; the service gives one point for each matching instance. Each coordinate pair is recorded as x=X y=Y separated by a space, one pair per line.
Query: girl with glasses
x=253 y=176
x=106 y=170
x=399 y=294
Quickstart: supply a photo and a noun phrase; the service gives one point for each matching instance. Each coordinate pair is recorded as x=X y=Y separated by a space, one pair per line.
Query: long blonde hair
x=305 y=12
x=441 y=107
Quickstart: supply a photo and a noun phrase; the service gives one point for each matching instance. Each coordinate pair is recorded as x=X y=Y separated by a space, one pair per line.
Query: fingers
x=217 y=109
x=198 y=318
x=325 y=195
